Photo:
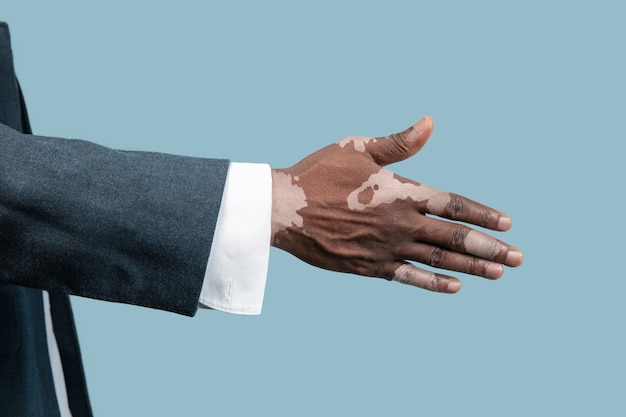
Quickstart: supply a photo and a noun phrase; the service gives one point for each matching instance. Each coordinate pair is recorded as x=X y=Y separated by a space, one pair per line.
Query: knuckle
x=402 y=275
x=473 y=266
x=457 y=238
x=437 y=257
x=393 y=148
x=433 y=284
x=401 y=142
x=455 y=209
x=492 y=250
x=487 y=218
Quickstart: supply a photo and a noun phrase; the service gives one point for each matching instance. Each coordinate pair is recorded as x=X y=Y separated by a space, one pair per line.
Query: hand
x=339 y=209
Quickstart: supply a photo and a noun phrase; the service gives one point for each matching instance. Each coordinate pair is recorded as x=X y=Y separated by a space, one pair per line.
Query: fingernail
x=423 y=123
x=454 y=286
x=514 y=258
x=504 y=223
x=494 y=271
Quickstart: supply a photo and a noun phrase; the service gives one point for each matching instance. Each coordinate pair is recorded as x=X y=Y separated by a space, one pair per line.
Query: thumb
x=399 y=146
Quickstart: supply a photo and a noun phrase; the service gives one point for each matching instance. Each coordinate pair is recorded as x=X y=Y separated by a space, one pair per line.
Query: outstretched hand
x=339 y=209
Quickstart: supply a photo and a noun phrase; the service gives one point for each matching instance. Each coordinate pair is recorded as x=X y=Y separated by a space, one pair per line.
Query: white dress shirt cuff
x=237 y=268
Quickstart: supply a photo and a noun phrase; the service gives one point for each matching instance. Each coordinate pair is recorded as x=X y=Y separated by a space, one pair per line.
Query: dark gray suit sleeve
x=130 y=227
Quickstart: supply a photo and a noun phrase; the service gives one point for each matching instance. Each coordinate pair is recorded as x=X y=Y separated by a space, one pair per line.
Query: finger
x=464 y=240
x=399 y=146
x=455 y=207
x=438 y=257
x=406 y=273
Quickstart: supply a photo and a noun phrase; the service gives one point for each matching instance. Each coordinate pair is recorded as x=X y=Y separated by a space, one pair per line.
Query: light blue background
x=529 y=102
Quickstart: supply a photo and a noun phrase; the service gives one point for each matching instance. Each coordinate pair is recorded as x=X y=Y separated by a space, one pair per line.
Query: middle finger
x=462 y=239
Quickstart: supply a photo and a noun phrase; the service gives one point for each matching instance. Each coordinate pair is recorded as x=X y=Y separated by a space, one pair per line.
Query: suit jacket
x=79 y=218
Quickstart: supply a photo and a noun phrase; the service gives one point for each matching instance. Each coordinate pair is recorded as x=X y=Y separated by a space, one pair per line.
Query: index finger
x=455 y=207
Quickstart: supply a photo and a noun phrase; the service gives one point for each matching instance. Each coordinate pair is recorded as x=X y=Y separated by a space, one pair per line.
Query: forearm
x=131 y=227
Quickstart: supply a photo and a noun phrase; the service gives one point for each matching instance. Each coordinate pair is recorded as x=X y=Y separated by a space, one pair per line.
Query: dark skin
x=340 y=209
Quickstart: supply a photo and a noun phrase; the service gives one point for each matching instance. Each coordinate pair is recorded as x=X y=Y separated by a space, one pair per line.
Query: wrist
x=287 y=198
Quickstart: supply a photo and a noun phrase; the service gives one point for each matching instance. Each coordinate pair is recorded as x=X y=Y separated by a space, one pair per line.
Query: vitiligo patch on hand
x=410 y=275
x=292 y=199
x=478 y=244
x=359 y=142
x=380 y=188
